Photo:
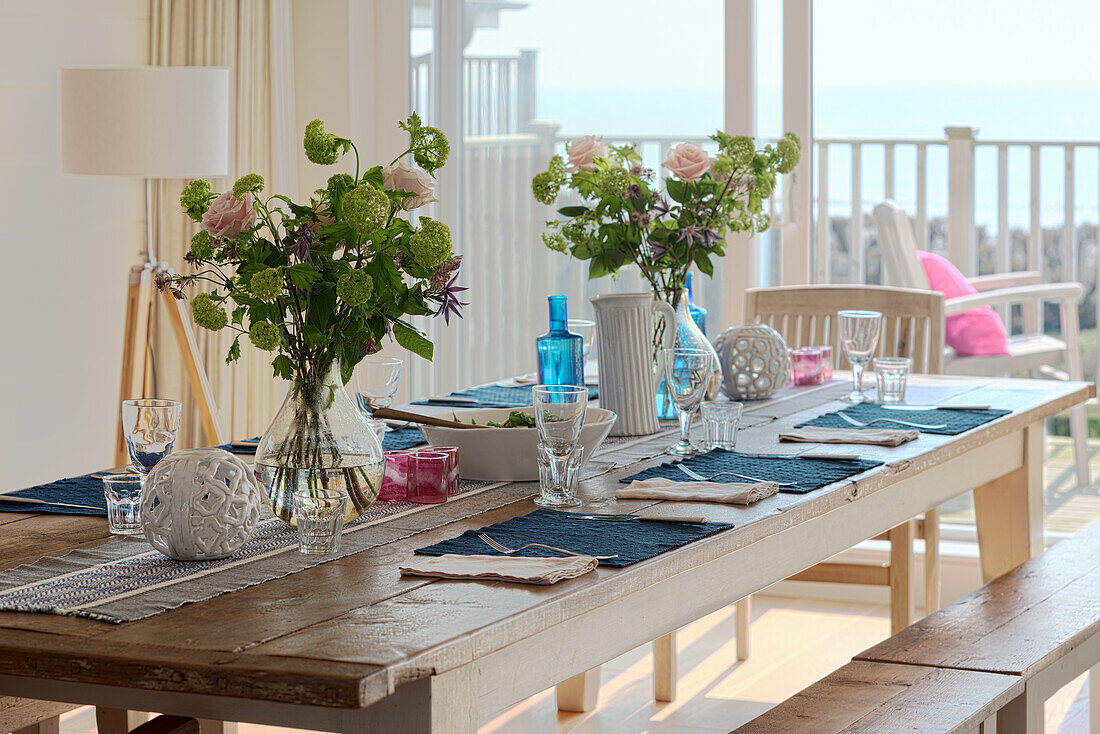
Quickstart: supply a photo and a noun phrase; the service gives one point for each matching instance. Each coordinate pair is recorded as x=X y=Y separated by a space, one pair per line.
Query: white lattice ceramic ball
x=200 y=505
x=755 y=361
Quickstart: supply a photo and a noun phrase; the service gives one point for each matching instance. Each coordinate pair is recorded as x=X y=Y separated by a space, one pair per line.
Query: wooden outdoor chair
x=1033 y=351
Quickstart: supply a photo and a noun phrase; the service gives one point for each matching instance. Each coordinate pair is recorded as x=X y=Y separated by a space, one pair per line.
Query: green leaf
x=303 y=275
x=238 y=318
x=322 y=304
x=234 y=351
x=702 y=261
x=573 y=211
x=675 y=190
x=413 y=340
x=283 y=367
x=313 y=336
x=374 y=177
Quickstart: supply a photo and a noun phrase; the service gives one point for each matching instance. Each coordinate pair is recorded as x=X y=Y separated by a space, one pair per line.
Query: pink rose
x=687 y=161
x=583 y=153
x=228 y=216
x=413 y=180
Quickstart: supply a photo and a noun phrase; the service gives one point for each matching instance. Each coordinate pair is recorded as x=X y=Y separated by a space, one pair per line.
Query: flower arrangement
x=329 y=280
x=623 y=218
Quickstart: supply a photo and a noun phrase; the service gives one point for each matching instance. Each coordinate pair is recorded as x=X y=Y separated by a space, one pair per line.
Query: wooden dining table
x=352 y=646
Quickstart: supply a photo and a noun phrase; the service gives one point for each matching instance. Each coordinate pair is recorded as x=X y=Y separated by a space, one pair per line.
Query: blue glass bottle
x=698 y=313
x=561 y=352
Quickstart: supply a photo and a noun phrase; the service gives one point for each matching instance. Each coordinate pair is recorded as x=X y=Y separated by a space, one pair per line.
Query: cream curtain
x=252 y=38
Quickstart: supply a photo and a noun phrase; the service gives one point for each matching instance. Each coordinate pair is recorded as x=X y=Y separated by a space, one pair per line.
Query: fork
x=701 y=478
x=509 y=551
x=854 y=422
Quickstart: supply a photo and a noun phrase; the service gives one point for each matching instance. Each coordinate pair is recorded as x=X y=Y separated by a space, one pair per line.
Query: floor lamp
x=150 y=122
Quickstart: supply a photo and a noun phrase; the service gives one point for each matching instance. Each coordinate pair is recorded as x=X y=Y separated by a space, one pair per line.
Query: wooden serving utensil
x=424 y=420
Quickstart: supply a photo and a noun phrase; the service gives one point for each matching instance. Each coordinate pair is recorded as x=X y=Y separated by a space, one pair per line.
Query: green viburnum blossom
x=741 y=149
x=355 y=288
x=575 y=231
x=545 y=188
x=339 y=183
x=432 y=244
x=611 y=182
x=202 y=246
x=264 y=335
x=195 y=198
x=722 y=167
x=557 y=169
x=208 y=314
x=555 y=242
x=266 y=284
x=250 y=183
x=320 y=146
x=365 y=208
x=430 y=148
x=790 y=151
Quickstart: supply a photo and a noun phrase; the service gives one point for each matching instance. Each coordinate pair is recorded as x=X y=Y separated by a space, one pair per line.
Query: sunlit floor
x=794 y=643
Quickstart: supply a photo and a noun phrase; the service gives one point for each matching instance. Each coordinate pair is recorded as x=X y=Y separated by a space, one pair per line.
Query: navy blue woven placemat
x=248 y=450
x=396 y=440
x=631 y=541
x=807 y=474
x=85 y=490
x=954 y=421
x=495 y=396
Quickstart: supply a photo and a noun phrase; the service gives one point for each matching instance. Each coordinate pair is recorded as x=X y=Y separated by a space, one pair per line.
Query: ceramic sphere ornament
x=755 y=361
x=200 y=505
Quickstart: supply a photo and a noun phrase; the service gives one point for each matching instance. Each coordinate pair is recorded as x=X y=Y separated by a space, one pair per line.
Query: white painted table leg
x=47 y=726
x=1021 y=715
x=1009 y=511
x=931 y=561
x=664 y=668
x=1094 y=700
x=901 y=586
x=213 y=726
x=118 y=721
x=442 y=704
x=743 y=627
x=579 y=694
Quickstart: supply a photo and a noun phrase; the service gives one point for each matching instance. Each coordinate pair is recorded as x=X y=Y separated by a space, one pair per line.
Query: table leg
x=579 y=694
x=118 y=721
x=743 y=627
x=901 y=582
x=213 y=726
x=445 y=703
x=1009 y=511
x=47 y=726
x=1021 y=715
x=664 y=668
x=1094 y=700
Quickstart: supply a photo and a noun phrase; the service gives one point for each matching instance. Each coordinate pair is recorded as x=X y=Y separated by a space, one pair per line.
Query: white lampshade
x=150 y=121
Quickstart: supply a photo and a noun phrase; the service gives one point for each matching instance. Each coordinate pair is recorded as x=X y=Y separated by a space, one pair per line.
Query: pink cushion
x=977 y=332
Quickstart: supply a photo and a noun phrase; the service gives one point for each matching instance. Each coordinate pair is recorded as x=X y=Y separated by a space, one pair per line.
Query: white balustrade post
x=962 y=247
x=798 y=105
x=527 y=86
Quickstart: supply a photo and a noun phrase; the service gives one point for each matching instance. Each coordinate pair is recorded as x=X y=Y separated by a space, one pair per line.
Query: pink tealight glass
x=428 y=472
x=396 y=480
x=452 y=470
x=812 y=365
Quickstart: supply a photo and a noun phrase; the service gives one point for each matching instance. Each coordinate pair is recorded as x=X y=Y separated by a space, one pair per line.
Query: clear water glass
x=428 y=471
x=892 y=376
x=123 y=493
x=319 y=514
x=564 y=494
x=377 y=380
x=721 y=420
x=150 y=426
x=559 y=415
x=859 y=332
x=587 y=331
x=687 y=375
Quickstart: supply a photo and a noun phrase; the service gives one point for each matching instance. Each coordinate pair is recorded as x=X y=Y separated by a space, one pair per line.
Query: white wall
x=66 y=244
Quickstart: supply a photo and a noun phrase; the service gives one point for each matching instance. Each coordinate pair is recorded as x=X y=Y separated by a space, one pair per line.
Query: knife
x=33 y=501
x=935 y=407
x=651 y=518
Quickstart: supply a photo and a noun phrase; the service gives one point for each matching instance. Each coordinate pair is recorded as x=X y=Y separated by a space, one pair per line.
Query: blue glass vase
x=698 y=313
x=561 y=352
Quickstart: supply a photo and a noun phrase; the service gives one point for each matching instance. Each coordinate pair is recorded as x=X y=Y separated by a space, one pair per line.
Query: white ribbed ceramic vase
x=628 y=382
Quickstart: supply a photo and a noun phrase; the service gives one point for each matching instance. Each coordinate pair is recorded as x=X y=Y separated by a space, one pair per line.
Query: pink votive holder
x=428 y=472
x=396 y=480
x=812 y=365
x=452 y=469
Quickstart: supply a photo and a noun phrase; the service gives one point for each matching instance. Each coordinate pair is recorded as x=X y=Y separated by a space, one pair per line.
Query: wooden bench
x=1039 y=622
x=30 y=716
x=873 y=698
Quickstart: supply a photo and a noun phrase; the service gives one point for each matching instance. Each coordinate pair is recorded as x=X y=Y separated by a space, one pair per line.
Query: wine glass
x=688 y=373
x=587 y=331
x=858 y=338
x=559 y=414
x=150 y=426
x=377 y=380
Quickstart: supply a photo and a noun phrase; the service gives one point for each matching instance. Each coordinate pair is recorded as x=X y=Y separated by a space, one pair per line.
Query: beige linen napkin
x=727 y=493
x=518 y=569
x=874 y=436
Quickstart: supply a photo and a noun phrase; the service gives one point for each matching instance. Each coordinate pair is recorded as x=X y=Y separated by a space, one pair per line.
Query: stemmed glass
x=559 y=414
x=587 y=331
x=858 y=338
x=150 y=426
x=688 y=373
x=376 y=383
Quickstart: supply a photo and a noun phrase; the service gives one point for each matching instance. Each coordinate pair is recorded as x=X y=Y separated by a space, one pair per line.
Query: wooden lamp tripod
x=150 y=122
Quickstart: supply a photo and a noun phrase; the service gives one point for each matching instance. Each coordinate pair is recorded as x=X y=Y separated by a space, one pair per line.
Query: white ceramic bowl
x=508 y=454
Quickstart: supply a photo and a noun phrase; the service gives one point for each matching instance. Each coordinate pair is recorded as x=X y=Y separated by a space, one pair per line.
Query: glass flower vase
x=319 y=440
x=688 y=335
